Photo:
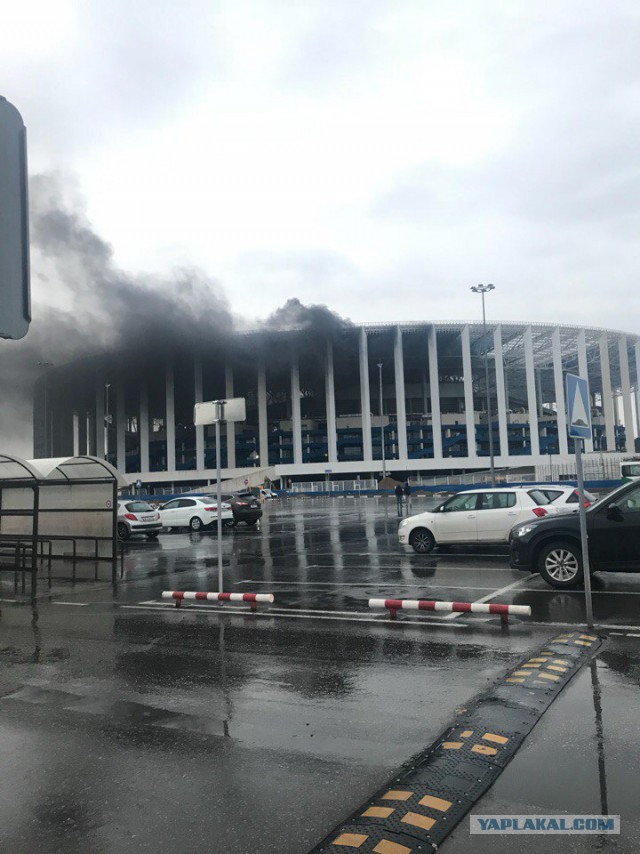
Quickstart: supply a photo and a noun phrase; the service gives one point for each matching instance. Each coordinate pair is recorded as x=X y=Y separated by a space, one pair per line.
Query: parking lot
x=130 y=725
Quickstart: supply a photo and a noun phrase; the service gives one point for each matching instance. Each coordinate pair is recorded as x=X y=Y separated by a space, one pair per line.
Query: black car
x=245 y=507
x=551 y=546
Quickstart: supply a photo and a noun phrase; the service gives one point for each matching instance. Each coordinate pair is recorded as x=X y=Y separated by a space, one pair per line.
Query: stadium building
x=321 y=402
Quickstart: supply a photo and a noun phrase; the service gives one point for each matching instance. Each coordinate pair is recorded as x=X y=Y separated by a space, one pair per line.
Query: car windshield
x=138 y=507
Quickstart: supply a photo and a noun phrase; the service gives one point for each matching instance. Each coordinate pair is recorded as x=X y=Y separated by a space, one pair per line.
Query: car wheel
x=560 y=564
x=123 y=531
x=153 y=535
x=229 y=523
x=422 y=541
x=196 y=523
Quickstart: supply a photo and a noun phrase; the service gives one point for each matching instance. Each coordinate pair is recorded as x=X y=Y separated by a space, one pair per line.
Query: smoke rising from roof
x=86 y=308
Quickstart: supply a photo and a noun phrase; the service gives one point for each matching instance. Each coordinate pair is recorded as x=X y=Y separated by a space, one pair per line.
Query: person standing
x=406 y=491
x=399 y=493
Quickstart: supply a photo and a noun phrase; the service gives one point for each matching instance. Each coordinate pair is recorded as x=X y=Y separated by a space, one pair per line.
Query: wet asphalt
x=129 y=725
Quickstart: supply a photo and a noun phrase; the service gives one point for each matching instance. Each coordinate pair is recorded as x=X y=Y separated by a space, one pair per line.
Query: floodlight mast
x=482 y=290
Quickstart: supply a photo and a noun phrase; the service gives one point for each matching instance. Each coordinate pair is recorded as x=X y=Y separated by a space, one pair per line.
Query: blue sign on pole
x=578 y=407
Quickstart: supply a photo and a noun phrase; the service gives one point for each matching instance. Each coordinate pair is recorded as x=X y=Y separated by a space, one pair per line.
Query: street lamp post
x=384 y=462
x=482 y=290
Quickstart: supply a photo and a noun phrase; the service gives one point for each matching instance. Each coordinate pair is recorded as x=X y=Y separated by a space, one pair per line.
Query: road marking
x=371 y=585
x=294 y=615
x=78 y=604
x=490 y=596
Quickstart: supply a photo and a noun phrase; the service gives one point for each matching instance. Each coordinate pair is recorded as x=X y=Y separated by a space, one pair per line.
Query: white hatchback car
x=474 y=516
x=194 y=513
x=137 y=517
x=565 y=498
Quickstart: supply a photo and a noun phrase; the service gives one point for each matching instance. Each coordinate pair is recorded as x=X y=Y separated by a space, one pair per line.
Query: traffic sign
x=578 y=407
x=15 y=287
x=214 y=411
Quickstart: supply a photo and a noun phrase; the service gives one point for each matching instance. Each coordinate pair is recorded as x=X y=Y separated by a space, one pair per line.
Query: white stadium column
x=295 y=411
x=625 y=385
x=330 y=398
x=365 y=398
x=467 y=375
x=263 y=425
x=558 y=378
x=637 y=352
x=170 y=418
x=532 y=405
x=401 y=411
x=197 y=398
x=121 y=426
x=434 y=393
x=99 y=415
x=583 y=370
x=231 y=427
x=607 y=394
x=500 y=392
x=76 y=434
x=143 y=432
x=88 y=435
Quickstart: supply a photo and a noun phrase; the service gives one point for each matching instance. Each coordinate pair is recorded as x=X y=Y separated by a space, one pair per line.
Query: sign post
x=215 y=412
x=579 y=421
x=15 y=287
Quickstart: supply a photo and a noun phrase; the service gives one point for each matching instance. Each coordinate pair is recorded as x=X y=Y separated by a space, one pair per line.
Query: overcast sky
x=380 y=156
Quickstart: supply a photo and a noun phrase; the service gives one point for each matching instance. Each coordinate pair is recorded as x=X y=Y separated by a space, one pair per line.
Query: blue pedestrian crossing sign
x=578 y=407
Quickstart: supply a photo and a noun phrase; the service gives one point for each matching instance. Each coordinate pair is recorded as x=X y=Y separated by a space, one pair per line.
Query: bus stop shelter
x=62 y=509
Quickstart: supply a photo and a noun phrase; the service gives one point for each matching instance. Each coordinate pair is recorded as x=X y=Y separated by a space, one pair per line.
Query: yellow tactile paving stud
x=466 y=733
x=552 y=677
x=496 y=739
x=484 y=750
x=435 y=803
x=452 y=745
x=378 y=812
x=424 y=822
x=540 y=660
x=385 y=846
x=351 y=840
x=397 y=795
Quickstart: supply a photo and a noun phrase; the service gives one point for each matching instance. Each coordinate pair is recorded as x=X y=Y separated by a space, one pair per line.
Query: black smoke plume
x=85 y=308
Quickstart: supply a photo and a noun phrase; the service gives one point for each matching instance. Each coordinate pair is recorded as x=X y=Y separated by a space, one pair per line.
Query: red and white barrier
x=394 y=605
x=252 y=598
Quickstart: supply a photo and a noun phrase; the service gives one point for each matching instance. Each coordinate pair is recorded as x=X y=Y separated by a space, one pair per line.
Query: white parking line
x=398 y=586
x=493 y=595
x=353 y=616
x=78 y=604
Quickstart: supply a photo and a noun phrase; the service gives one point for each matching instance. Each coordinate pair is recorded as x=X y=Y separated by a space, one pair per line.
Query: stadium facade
x=319 y=403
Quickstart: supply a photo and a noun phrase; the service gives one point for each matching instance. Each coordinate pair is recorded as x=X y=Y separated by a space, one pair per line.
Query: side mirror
x=614 y=513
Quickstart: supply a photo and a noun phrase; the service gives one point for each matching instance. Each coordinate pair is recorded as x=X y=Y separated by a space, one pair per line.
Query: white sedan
x=195 y=513
x=474 y=516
